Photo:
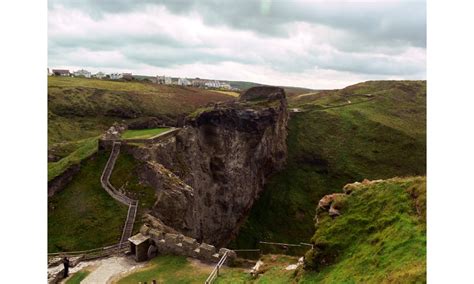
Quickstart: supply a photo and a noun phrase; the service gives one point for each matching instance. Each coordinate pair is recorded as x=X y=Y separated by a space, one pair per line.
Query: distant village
x=163 y=80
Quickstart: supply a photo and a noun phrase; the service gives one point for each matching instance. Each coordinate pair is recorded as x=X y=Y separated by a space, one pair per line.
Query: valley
x=241 y=170
x=381 y=137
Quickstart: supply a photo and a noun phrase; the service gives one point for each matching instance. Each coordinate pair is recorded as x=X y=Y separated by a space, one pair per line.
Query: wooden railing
x=215 y=271
x=114 y=193
x=117 y=195
x=91 y=253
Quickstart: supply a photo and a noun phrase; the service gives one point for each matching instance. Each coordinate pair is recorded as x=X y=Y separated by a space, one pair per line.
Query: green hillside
x=84 y=103
x=370 y=130
x=380 y=236
x=80 y=109
x=83 y=215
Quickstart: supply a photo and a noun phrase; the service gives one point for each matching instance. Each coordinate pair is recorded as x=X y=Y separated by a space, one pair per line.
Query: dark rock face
x=214 y=169
x=59 y=183
x=263 y=93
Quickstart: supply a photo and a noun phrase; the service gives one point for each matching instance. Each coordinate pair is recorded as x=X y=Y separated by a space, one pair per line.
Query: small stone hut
x=139 y=246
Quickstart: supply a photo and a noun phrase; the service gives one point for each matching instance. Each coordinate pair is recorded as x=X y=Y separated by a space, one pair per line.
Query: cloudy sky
x=316 y=44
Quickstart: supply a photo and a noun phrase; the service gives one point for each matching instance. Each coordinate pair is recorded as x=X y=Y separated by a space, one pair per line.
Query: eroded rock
x=208 y=177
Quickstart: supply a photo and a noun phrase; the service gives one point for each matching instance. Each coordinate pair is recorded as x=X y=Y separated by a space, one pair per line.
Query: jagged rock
x=115 y=131
x=206 y=251
x=328 y=204
x=157 y=224
x=327 y=200
x=144 y=229
x=209 y=176
x=190 y=245
x=333 y=212
x=263 y=93
x=256 y=269
x=350 y=187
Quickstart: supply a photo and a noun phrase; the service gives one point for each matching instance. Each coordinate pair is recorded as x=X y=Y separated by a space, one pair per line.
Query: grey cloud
x=385 y=28
x=380 y=22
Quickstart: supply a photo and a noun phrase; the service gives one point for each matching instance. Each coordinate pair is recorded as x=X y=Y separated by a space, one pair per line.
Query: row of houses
x=199 y=83
x=164 y=80
x=87 y=74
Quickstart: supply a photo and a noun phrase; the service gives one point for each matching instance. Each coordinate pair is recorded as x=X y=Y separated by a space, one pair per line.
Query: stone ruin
x=176 y=244
x=114 y=132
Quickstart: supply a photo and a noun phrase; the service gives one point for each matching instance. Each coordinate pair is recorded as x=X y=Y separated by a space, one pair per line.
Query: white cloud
x=153 y=40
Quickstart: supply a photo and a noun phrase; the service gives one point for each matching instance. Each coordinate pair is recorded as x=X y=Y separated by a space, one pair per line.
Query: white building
x=163 y=80
x=116 y=76
x=82 y=73
x=225 y=86
x=212 y=84
x=184 y=82
x=99 y=75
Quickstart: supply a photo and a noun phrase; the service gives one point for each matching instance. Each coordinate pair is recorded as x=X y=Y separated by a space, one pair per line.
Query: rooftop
x=138 y=239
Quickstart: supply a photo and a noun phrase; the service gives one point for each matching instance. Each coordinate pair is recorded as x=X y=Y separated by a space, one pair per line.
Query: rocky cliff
x=208 y=175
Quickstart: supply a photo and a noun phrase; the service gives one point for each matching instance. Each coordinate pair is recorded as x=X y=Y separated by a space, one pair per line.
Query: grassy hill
x=81 y=102
x=83 y=215
x=380 y=236
x=370 y=130
x=179 y=269
x=80 y=109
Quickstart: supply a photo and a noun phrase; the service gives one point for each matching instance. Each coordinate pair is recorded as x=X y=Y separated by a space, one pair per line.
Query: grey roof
x=138 y=239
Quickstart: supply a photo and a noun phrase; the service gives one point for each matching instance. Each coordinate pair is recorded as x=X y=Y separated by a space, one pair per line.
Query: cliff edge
x=208 y=175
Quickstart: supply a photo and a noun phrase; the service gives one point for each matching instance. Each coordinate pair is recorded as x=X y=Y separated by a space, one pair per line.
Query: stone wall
x=178 y=244
x=106 y=144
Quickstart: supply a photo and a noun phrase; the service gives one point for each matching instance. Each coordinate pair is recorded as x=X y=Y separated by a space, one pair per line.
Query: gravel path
x=104 y=270
x=112 y=267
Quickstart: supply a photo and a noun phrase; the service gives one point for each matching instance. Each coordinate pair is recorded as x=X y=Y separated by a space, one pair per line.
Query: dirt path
x=107 y=269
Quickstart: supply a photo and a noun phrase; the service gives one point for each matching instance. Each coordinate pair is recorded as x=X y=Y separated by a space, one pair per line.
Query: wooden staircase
x=117 y=195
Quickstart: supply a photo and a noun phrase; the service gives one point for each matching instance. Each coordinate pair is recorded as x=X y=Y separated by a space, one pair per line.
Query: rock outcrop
x=209 y=174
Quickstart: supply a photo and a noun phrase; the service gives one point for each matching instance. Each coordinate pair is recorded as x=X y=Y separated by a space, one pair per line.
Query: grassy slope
x=93 y=98
x=98 y=205
x=379 y=238
x=378 y=137
x=83 y=216
x=143 y=133
x=80 y=108
x=125 y=176
x=75 y=152
x=243 y=85
x=177 y=269
x=169 y=269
